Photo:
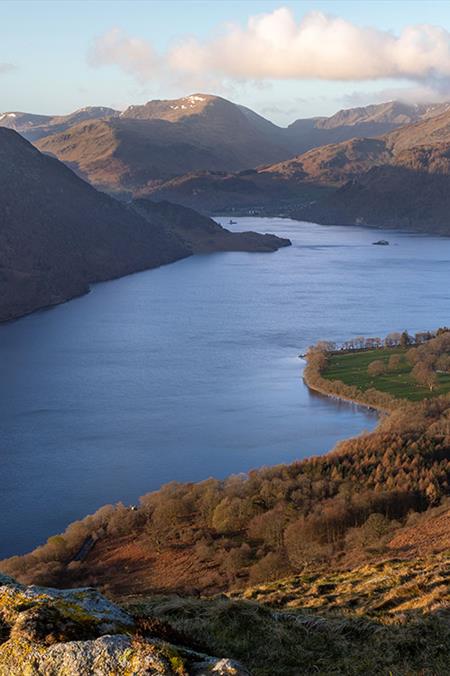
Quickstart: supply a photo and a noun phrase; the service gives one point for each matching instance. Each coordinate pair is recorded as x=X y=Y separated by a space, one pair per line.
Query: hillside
x=142 y=149
x=200 y=233
x=366 y=121
x=221 y=192
x=162 y=139
x=400 y=179
x=336 y=564
x=58 y=234
x=366 y=621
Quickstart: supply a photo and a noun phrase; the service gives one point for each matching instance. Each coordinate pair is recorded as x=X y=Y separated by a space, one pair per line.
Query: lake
x=192 y=370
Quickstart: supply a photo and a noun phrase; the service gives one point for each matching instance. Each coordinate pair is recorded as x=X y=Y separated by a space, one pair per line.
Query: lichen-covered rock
x=78 y=605
x=78 y=632
x=47 y=625
x=105 y=656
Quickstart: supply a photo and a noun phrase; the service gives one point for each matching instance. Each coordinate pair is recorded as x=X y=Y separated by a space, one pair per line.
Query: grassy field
x=351 y=369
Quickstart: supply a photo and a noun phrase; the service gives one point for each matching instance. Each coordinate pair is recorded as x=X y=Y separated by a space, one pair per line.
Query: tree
x=423 y=375
x=375 y=368
x=304 y=544
x=374 y=531
x=443 y=363
x=413 y=355
x=394 y=362
x=405 y=339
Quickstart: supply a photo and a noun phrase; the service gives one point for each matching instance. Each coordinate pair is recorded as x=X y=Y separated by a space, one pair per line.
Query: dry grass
x=390 y=618
x=386 y=590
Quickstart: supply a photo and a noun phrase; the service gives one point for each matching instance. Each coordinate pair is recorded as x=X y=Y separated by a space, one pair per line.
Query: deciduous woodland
x=350 y=506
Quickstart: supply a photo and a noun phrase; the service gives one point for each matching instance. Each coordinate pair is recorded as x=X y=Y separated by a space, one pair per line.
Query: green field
x=351 y=368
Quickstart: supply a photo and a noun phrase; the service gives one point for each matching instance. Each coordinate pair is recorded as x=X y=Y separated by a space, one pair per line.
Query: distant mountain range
x=400 y=179
x=128 y=152
x=366 y=121
x=133 y=151
x=383 y=164
x=33 y=127
x=58 y=234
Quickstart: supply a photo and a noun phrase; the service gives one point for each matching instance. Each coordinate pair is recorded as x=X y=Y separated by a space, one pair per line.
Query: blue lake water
x=192 y=370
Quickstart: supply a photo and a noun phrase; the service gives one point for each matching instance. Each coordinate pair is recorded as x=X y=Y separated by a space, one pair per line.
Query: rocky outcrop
x=52 y=632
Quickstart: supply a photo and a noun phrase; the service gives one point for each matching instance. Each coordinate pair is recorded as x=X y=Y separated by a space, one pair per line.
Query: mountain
x=207 y=153
x=33 y=127
x=24 y=123
x=388 y=196
x=163 y=139
x=131 y=153
x=58 y=234
x=421 y=145
x=366 y=121
x=401 y=179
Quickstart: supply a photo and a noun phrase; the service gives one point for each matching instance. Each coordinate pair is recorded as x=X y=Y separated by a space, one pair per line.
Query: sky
x=283 y=59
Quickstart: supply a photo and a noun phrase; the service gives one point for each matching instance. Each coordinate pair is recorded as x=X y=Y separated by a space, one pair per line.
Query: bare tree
x=424 y=376
x=376 y=368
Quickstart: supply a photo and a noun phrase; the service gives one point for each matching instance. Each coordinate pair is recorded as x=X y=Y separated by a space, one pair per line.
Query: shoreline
x=332 y=395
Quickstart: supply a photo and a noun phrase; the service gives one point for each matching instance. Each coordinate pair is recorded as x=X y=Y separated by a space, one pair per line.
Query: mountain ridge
x=129 y=152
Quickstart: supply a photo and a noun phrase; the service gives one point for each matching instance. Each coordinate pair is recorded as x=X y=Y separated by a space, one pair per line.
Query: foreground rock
x=52 y=632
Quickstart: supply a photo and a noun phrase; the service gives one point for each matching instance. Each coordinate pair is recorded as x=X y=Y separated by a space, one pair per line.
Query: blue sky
x=52 y=59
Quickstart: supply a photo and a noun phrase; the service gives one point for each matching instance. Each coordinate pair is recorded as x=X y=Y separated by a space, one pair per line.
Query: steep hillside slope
x=388 y=196
x=58 y=234
x=49 y=632
x=366 y=121
x=400 y=179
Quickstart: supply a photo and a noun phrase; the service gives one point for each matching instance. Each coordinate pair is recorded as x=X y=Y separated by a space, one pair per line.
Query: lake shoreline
x=93 y=389
x=340 y=397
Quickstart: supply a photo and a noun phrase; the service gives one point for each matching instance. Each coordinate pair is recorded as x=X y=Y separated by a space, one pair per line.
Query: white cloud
x=275 y=46
x=133 y=55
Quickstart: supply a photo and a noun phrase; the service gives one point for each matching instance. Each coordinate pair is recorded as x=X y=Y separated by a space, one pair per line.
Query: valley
x=224 y=338
x=379 y=165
